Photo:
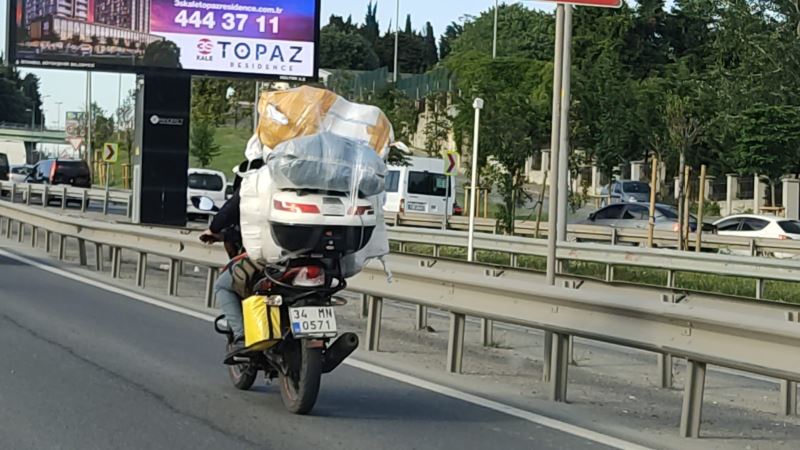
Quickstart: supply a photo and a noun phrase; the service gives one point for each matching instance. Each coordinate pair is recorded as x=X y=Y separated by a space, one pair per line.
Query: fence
x=757 y=343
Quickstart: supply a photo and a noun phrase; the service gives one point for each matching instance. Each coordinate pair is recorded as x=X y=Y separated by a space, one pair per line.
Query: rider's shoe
x=235 y=349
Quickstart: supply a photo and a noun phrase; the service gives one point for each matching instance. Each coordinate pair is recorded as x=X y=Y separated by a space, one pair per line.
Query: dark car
x=4 y=167
x=61 y=171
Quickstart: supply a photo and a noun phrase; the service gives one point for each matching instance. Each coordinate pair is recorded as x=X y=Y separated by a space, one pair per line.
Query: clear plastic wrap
x=327 y=162
x=317 y=143
x=305 y=111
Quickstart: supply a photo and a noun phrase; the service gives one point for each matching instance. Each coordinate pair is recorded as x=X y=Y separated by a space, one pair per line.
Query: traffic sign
x=596 y=3
x=110 y=152
x=75 y=142
x=451 y=163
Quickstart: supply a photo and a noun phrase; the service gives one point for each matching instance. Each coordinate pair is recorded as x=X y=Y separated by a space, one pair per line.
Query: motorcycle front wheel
x=300 y=384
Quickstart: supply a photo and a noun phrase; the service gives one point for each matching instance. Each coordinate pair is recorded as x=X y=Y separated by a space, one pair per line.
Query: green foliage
x=210 y=99
x=103 y=127
x=399 y=109
x=18 y=95
x=514 y=122
x=159 y=54
x=346 y=50
x=437 y=127
x=203 y=148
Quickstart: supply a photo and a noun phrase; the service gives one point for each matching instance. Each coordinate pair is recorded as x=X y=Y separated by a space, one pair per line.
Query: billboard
x=275 y=39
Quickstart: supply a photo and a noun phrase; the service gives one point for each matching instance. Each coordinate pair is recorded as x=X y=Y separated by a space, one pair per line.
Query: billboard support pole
x=89 y=124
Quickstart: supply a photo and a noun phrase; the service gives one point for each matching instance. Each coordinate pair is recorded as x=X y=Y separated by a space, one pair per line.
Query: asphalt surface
x=83 y=368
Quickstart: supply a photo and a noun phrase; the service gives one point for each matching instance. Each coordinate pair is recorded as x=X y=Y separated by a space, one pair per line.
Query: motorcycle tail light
x=309 y=277
x=300 y=208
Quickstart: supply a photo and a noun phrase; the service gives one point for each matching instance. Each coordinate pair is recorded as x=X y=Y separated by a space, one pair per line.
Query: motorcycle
x=303 y=288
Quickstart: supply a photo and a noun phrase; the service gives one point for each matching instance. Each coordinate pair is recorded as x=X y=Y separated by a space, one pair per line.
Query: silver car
x=636 y=215
x=627 y=191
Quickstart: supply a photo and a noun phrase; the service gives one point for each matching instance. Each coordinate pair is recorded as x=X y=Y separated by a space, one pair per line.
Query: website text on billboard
x=263 y=38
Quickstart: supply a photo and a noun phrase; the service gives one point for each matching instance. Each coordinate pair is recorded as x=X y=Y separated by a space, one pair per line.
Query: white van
x=205 y=183
x=420 y=188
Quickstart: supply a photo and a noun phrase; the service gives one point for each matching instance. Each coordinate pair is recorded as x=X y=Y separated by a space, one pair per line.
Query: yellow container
x=262 y=323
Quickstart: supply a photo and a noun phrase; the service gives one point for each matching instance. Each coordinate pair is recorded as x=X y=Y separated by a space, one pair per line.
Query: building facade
x=74 y=9
x=129 y=14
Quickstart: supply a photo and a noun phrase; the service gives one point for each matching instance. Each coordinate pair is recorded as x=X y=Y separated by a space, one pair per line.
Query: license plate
x=318 y=321
x=419 y=207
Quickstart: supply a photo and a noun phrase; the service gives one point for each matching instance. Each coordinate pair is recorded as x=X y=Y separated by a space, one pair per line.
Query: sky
x=69 y=87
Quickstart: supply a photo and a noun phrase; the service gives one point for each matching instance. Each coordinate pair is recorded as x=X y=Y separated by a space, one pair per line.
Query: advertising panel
x=258 y=38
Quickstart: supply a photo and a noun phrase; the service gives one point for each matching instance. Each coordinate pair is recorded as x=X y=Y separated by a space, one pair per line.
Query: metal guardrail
x=593 y=233
x=671 y=261
x=757 y=343
x=47 y=193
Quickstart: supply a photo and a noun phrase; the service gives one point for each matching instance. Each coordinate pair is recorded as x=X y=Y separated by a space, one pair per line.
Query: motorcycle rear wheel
x=243 y=376
x=300 y=385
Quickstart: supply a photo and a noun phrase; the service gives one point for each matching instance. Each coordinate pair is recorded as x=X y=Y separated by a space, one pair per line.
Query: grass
x=787 y=292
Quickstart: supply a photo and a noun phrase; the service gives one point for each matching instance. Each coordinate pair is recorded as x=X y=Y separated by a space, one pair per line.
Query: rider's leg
x=230 y=303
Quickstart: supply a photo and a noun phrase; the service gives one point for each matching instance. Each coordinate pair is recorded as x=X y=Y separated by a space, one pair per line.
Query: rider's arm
x=227 y=216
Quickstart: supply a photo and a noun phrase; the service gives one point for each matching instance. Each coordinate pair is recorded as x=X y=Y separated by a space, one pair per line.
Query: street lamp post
x=494 y=40
x=478 y=105
x=396 y=43
x=58 y=117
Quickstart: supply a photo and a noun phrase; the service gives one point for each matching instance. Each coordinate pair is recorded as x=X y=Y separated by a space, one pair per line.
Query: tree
x=451 y=33
x=203 y=147
x=766 y=141
x=126 y=118
x=30 y=89
x=521 y=33
x=371 y=28
x=103 y=127
x=437 y=126
x=430 y=52
x=210 y=100
x=399 y=109
x=162 y=54
x=514 y=123
x=346 y=50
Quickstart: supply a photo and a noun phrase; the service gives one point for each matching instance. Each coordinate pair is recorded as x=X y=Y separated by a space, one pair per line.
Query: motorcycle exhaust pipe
x=339 y=351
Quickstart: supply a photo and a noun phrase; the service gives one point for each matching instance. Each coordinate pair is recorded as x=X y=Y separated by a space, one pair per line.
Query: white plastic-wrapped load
x=322 y=190
x=255 y=196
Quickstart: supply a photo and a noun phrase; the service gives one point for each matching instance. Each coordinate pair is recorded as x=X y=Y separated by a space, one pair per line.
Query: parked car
x=4 y=168
x=760 y=226
x=19 y=174
x=72 y=172
x=420 y=188
x=627 y=191
x=205 y=183
x=637 y=215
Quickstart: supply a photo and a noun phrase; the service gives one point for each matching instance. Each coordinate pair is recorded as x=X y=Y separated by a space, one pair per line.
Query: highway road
x=85 y=368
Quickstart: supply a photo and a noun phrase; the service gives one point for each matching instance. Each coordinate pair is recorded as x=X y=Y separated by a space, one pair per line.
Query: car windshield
x=790 y=226
x=636 y=187
x=21 y=170
x=205 y=182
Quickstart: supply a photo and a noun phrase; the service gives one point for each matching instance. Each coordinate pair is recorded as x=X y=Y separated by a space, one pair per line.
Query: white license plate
x=313 y=321
x=419 y=207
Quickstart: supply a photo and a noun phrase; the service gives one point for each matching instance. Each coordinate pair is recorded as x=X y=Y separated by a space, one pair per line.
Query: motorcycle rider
x=225 y=228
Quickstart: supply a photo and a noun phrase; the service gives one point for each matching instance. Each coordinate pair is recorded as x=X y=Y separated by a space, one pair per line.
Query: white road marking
x=361 y=365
